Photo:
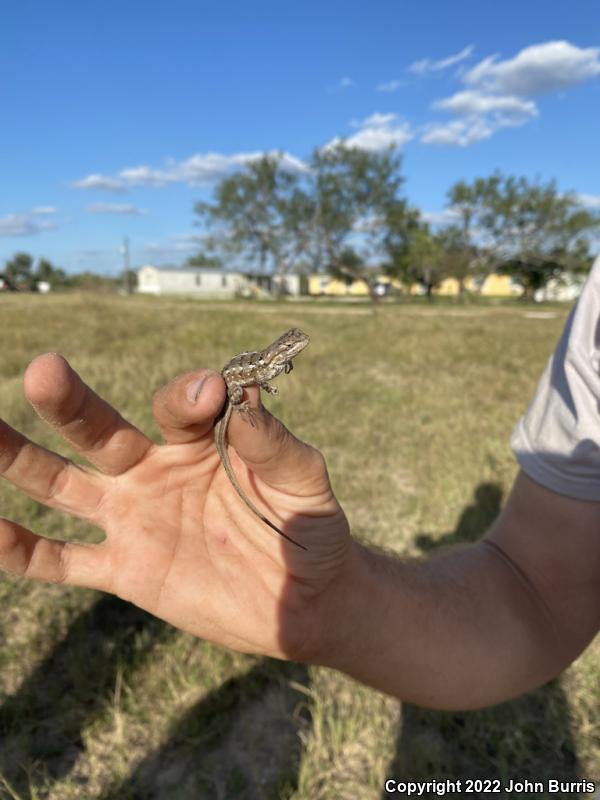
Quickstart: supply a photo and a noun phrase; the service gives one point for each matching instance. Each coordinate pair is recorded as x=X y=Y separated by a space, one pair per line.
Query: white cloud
x=474 y=103
x=390 y=86
x=377 y=132
x=165 y=249
x=174 y=248
x=102 y=182
x=449 y=216
x=537 y=69
x=589 y=200
x=198 y=170
x=189 y=239
x=461 y=132
x=425 y=65
x=28 y=223
x=43 y=210
x=375 y=120
x=146 y=176
x=480 y=116
x=342 y=85
x=497 y=93
x=210 y=167
x=116 y=208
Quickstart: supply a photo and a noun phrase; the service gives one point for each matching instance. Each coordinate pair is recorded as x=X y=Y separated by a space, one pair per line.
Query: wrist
x=350 y=614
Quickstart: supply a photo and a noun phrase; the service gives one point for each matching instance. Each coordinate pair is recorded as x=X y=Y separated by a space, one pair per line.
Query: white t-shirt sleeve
x=557 y=441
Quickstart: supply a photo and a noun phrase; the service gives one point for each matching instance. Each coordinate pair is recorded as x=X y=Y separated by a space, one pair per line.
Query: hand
x=179 y=541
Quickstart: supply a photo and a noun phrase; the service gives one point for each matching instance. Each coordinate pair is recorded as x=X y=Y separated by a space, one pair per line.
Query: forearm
x=462 y=630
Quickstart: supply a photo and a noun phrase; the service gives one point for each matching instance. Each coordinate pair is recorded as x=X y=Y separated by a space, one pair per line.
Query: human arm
x=479 y=624
x=466 y=628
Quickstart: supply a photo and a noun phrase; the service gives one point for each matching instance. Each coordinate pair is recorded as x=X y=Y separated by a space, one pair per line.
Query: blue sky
x=116 y=117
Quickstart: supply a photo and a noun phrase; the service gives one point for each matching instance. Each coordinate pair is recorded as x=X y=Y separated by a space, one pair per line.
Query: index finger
x=273 y=453
x=87 y=422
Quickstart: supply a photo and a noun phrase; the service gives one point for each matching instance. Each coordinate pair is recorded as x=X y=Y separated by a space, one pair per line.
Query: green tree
x=350 y=266
x=458 y=256
x=427 y=258
x=530 y=231
x=358 y=204
x=262 y=213
x=19 y=269
x=403 y=233
x=204 y=260
x=353 y=190
x=46 y=271
x=91 y=282
x=462 y=255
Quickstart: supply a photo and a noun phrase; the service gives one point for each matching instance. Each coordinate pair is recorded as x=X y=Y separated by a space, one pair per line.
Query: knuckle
x=63 y=566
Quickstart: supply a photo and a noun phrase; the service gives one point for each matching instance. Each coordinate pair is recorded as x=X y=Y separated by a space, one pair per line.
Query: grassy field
x=413 y=408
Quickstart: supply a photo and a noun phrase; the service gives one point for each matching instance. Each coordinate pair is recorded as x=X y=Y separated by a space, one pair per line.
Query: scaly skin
x=258 y=368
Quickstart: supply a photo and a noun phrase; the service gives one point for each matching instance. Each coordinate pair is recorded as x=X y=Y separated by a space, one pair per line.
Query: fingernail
x=194 y=389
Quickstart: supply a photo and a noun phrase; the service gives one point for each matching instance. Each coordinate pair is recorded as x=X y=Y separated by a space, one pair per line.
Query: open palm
x=179 y=541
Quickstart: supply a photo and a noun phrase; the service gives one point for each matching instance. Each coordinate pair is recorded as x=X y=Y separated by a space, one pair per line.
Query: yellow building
x=494 y=285
x=323 y=285
x=500 y=286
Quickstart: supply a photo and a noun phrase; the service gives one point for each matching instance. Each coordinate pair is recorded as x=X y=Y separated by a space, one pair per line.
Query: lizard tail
x=252 y=507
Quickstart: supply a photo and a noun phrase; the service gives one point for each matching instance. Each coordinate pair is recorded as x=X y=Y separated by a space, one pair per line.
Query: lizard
x=245 y=369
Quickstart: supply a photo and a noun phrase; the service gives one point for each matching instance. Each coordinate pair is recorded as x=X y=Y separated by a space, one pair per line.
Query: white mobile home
x=198 y=281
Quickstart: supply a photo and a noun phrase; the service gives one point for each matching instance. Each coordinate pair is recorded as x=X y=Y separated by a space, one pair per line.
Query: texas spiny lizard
x=258 y=368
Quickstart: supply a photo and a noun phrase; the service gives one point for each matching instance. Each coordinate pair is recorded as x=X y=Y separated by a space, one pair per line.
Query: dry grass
x=413 y=408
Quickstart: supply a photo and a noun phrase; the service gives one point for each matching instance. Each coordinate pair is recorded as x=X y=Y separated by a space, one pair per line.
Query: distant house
x=198 y=281
x=272 y=284
x=567 y=288
x=325 y=285
x=493 y=285
x=213 y=283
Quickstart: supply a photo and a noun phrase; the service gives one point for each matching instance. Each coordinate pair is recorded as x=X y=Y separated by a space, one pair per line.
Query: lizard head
x=286 y=347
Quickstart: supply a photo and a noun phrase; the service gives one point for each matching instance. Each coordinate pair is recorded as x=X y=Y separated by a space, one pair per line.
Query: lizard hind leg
x=247 y=412
x=246 y=409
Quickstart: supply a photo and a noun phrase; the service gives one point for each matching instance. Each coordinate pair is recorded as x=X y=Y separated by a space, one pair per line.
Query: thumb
x=273 y=453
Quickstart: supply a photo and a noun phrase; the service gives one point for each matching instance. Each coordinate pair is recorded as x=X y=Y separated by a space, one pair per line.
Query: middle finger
x=48 y=477
x=88 y=423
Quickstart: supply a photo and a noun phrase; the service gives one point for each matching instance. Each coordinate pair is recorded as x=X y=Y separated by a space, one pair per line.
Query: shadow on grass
x=528 y=738
x=42 y=723
x=240 y=741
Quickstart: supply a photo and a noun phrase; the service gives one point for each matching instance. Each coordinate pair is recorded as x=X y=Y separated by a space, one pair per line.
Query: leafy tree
x=19 y=269
x=528 y=230
x=462 y=255
x=21 y=273
x=358 y=203
x=91 y=282
x=204 y=260
x=463 y=199
x=354 y=191
x=458 y=256
x=46 y=271
x=262 y=212
x=426 y=258
x=277 y=219
x=351 y=267
x=401 y=236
